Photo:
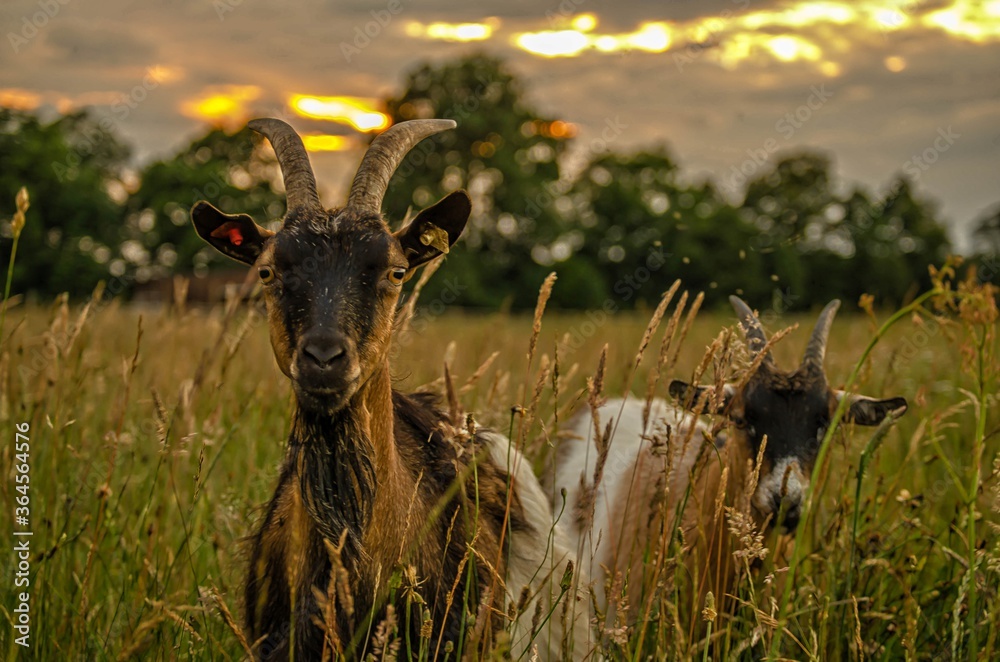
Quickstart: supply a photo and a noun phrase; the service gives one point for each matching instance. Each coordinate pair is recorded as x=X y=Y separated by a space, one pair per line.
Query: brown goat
x=379 y=502
x=666 y=473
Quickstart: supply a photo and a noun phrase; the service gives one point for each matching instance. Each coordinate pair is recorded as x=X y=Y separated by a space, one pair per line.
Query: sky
x=882 y=86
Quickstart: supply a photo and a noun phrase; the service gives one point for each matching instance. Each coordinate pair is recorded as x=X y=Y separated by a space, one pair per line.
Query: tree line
x=617 y=231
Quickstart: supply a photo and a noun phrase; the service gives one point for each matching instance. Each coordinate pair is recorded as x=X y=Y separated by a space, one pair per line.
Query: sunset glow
x=651 y=37
x=976 y=22
x=223 y=105
x=162 y=74
x=27 y=100
x=321 y=142
x=360 y=113
x=726 y=88
x=895 y=64
x=20 y=99
x=812 y=32
x=453 y=31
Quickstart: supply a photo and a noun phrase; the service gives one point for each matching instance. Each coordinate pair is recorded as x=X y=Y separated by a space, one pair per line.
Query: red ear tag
x=235 y=236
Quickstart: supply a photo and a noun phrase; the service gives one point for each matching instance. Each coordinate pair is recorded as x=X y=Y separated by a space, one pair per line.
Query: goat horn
x=384 y=156
x=816 y=349
x=752 y=329
x=300 y=184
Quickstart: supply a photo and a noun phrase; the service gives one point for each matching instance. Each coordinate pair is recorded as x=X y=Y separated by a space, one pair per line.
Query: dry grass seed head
x=595 y=386
x=670 y=334
x=654 y=322
x=688 y=322
x=385 y=643
x=536 y=325
x=227 y=617
x=471 y=382
x=762 y=355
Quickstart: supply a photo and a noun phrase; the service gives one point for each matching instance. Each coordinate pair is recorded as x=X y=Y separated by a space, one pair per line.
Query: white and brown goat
x=667 y=477
x=451 y=524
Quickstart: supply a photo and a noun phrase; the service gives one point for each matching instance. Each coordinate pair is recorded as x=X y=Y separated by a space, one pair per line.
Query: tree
x=225 y=169
x=504 y=153
x=71 y=167
x=820 y=245
x=631 y=222
x=909 y=223
x=986 y=240
x=788 y=205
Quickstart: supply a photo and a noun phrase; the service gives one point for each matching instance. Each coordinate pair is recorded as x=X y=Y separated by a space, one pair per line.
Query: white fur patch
x=774 y=486
x=538 y=559
x=630 y=440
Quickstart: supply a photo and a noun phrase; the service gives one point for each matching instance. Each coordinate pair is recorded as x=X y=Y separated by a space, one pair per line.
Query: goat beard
x=334 y=457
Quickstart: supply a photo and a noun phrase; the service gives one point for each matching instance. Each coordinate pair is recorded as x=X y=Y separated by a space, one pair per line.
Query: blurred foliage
x=503 y=152
x=69 y=166
x=225 y=169
x=632 y=221
x=617 y=227
x=986 y=240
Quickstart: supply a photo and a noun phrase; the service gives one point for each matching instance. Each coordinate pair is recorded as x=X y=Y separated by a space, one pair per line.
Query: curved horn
x=752 y=329
x=815 y=352
x=384 y=156
x=300 y=184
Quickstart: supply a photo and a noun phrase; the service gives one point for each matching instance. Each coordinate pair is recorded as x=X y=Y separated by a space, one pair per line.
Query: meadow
x=156 y=433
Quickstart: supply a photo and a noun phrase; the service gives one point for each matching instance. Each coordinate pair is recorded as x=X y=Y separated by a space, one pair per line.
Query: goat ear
x=696 y=398
x=435 y=229
x=869 y=411
x=234 y=235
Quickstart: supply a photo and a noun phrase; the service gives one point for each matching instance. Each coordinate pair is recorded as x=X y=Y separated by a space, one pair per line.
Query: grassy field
x=155 y=436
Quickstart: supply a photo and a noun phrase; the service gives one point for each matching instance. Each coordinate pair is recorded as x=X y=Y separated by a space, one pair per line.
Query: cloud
x=707 y=110
x=86 y=45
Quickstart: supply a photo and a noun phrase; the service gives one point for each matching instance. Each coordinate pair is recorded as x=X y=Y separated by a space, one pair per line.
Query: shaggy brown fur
x=290 y=562
x=379 y=502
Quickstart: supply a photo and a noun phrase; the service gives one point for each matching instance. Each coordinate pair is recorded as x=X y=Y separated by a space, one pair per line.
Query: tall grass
x=156 y=435
x=16 y=225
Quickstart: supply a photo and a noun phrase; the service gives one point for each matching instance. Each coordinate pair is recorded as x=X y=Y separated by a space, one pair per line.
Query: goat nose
x=324 y=351
x=791 y=513
x=791 y=520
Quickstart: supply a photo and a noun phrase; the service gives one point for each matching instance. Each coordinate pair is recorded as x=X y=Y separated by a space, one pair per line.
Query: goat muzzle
x=326 y=370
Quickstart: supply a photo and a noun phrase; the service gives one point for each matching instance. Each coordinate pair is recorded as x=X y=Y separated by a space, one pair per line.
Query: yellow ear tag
x=436 y=237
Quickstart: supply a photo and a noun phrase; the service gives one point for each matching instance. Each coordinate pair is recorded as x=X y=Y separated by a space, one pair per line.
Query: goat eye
x=266 y=275
x=396 y=275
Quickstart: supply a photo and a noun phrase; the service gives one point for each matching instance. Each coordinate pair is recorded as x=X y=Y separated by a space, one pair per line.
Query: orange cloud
x=359 y=113
x=225 y=105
